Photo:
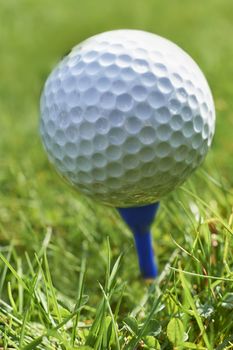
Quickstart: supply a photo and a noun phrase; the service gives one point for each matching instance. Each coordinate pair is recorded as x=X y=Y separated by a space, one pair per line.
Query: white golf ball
x=126 y=117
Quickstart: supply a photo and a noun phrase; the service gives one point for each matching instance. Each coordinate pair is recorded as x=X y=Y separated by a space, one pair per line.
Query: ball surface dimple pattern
x=126 y=117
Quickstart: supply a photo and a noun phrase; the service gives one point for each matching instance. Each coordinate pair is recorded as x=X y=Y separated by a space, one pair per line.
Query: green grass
x=68 y=270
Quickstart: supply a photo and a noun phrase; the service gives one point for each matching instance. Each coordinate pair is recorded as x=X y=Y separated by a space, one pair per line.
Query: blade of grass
x=14 y=272
x=4 y=271
x=112 y=317
x=191 y=303
x=79 y=296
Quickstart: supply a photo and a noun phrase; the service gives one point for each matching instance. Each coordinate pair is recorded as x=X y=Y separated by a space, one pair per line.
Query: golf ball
x=126 y=117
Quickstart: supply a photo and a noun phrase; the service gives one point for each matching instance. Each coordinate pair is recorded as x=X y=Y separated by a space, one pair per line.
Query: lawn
x=68 y=269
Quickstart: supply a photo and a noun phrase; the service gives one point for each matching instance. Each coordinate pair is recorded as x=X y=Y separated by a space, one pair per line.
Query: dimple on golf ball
x=126 y=117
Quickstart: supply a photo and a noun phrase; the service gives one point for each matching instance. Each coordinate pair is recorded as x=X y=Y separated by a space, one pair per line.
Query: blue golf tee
x=139 y=219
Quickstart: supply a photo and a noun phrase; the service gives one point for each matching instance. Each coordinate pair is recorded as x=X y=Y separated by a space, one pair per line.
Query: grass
x=68 y=271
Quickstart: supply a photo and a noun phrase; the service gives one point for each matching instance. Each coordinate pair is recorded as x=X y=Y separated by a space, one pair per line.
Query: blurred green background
x=34 y=35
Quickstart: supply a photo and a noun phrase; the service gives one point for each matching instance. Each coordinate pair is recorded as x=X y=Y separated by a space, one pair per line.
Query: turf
x=68 y=271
